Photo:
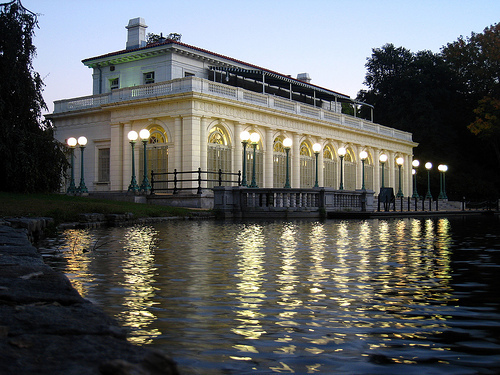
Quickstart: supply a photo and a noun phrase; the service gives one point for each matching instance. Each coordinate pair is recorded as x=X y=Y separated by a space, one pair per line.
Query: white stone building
x=196 y=103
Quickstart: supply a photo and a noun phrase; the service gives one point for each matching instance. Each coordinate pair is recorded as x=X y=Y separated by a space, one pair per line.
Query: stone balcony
x=199 y=85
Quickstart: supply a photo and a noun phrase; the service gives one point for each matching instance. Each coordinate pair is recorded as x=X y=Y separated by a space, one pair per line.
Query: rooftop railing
x=195 y=84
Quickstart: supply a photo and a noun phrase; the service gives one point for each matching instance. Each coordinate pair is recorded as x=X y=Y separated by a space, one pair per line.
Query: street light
x=383 y=158
x=399 y=162
x=72 y=143
x=145 y=186
x=342 y=151
x=428 y=166
x=442 y=193
x=363 y=155
x=132 y=136
x=287 y=143
x=245 y=137
x=254 y=139
x=316 y=149
x=415 y=164
x=82 y=189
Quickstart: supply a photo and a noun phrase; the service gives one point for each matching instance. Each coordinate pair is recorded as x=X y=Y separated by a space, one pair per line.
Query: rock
x=47 y=327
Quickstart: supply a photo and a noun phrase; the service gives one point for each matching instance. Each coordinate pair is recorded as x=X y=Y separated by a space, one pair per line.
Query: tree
x=421 y=93
x=476 y=62
x=32 y=160
x=413 y=92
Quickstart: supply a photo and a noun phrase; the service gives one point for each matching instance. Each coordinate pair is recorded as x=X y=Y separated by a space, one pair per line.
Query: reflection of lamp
x=341 y=151
x=363 y=155
x=145 y=186
x=82 y=141
x=428 y=166
x=132 y=136
x=399 y=162
x=287 y=143
x=442 y=193
x=254 y=139
x=316 y=149
x=383 y=158
x=72 y=143
x=245 y=137
x=415 y=164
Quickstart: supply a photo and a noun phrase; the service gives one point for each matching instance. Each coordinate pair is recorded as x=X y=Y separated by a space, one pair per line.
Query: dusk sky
x=330 y=40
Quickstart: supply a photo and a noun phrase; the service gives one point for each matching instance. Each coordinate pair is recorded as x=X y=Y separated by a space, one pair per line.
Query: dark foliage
x=32 y=160
x=422 y=93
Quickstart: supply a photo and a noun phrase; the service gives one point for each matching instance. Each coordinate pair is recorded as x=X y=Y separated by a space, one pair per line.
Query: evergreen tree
x=31 y=159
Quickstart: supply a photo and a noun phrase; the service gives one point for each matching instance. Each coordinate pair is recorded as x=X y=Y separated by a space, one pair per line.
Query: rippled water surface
x=399 y=296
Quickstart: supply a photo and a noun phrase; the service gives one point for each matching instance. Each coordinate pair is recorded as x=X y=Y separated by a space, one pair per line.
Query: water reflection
x=251 y=277
x=137 y=281
x=371 y=296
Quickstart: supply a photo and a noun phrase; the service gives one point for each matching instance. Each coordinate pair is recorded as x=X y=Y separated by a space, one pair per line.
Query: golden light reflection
x=79 y=242
x=318 y=273
x=138 y=278
x=250 y=273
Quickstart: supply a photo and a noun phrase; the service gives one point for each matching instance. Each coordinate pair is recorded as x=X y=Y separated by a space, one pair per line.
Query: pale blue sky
x=329 y=39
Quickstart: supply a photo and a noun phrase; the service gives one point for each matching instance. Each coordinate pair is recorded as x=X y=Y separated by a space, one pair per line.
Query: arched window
x=218 y=153
x=349 y=170
x=259 y=163
x=329 y=168
x=306 y=166
x=157 y=153
x=279 y=163
x=369 y=172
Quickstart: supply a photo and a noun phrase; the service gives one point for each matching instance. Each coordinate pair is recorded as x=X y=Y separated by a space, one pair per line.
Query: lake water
x=395 y=296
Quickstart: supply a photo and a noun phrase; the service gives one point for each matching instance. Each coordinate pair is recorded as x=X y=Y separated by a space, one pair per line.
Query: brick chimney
x=136 y=33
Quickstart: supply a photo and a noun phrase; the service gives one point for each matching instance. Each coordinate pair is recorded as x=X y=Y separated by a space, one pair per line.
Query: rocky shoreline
x=47 y=327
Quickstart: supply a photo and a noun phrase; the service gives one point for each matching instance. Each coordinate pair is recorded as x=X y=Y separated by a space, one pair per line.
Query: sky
x=329 y=39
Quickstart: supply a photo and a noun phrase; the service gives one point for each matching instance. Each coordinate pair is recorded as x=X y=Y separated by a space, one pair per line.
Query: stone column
x=321 y=179
x=116 y=158
x=295 y=162
x=268 y=160
x=191 y=153
x=391 y=164
x=127 y=157
x=203 y=144
x=238 y=149
x=177 y=164
x=377 y=178
x=408 y=181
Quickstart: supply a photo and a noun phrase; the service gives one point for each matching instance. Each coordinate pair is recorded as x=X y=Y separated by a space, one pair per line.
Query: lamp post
x=442 y=193
x=399 y=162
x=82 y=189
x=363 y=155
x=72 y=143
x=316 y=149
x=132 y=136
x=287 y=143
x=415 y=164
x=383 y=158
x=428 y=166
x=254 y=139
x=342 y=151
x=245 y=137
x=145 y=186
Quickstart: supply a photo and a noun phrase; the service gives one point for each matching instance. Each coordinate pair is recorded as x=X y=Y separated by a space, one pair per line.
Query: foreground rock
x=46 y=327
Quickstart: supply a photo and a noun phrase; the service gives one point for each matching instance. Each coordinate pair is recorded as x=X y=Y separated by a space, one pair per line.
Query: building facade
x=196 y=103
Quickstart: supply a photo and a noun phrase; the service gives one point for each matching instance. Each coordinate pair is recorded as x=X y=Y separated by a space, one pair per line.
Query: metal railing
x=160 y=181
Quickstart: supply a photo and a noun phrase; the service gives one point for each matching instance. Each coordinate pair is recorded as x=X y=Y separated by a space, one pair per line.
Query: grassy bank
x=65 y=208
